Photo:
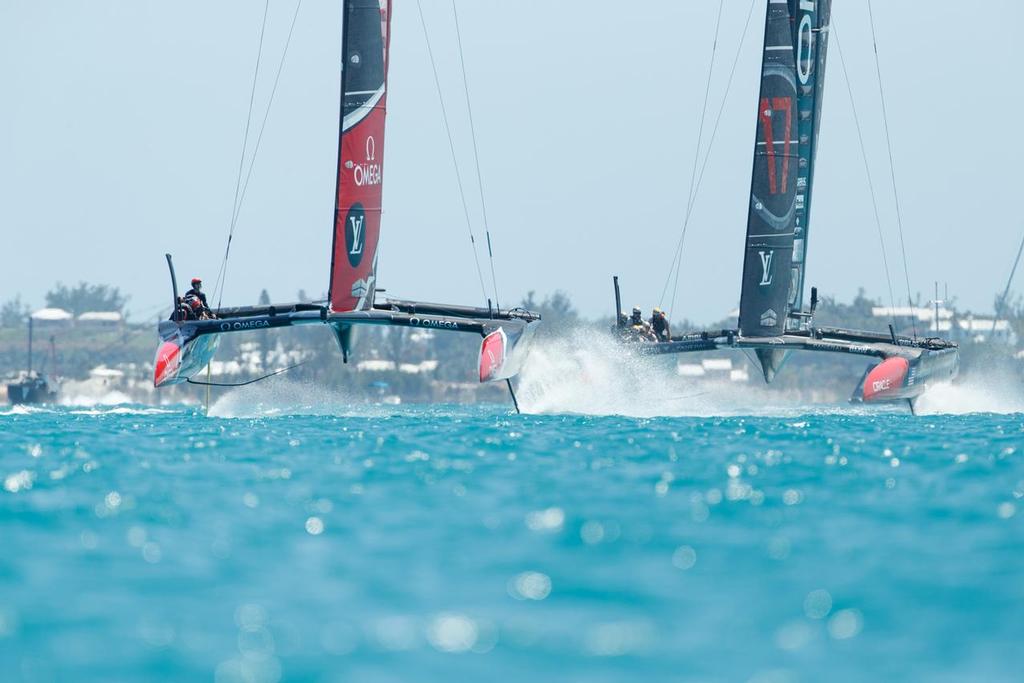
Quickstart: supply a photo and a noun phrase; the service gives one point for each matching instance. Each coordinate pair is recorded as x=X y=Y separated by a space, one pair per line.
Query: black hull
x=30 y=392
x=904 y=369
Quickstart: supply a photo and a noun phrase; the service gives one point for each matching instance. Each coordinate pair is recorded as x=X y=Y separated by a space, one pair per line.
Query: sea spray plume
x=587 y=371
x=992 y=384
x=88 y=397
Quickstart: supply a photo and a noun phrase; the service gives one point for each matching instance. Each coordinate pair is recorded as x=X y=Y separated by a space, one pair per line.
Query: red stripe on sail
x=769 y=146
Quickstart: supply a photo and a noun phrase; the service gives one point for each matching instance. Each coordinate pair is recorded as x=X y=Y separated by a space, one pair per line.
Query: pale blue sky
x=122 y=126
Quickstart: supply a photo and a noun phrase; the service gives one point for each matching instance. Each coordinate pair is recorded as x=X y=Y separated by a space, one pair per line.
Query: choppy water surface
x=468 y=544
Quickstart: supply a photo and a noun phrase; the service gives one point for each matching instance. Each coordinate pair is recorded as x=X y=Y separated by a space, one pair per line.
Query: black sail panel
x=811 y=74
x=788 y=113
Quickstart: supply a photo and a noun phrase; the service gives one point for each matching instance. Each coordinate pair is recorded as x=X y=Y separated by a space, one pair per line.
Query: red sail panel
x=366 y=32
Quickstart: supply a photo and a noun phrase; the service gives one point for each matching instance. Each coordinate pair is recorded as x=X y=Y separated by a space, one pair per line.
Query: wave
x=123 y=410
x=21 y=409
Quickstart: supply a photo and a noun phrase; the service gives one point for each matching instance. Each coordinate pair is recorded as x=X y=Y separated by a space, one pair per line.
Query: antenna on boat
x=618 y=302
x=29 y=344
x=174 y=286
x=54 y=370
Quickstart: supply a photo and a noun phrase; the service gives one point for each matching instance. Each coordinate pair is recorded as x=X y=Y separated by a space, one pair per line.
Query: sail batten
x=789 y=110
x=365 y=39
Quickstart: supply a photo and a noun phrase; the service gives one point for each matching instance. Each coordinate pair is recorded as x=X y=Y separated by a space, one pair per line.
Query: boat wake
x=593 y=374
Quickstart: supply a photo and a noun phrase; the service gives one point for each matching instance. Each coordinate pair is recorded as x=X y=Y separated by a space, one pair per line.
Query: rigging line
x=241 y=384
x=245 y=145
x=451 y=146
x=266 y=114
x=867 y=171
x=263 y=128
x=711 y=143
x=700 y=138
x=1006 y=292
x=476 y=155
x=892 y=165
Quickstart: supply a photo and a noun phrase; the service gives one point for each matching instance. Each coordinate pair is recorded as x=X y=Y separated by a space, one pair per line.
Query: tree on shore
x=85 y=297
x=558 y=314
x=14 y=312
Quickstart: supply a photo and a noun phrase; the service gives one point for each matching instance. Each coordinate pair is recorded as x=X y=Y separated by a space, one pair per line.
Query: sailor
x=195 y=300
x=659 y=323
x=639 y=328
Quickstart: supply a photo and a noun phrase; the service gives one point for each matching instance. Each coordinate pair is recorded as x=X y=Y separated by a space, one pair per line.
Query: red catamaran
x=187 y=346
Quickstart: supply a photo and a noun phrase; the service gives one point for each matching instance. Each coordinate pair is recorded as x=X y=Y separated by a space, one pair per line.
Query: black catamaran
x=187 y=346
x=772 y=318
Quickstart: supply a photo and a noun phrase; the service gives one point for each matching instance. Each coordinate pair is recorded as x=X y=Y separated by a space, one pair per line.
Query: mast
x=366 y=32
x=789 y=113
x=30 y=344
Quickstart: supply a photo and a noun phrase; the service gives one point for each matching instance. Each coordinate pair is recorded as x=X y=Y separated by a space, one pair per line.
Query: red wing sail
x=365 y=36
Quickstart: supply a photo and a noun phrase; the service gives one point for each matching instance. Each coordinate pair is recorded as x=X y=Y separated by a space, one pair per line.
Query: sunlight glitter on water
x=560 y=547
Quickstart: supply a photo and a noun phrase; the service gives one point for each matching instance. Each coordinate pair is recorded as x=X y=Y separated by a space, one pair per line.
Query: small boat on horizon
x=31 y=386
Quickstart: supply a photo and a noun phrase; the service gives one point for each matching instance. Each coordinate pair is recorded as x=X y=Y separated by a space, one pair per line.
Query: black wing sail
x=772 y=321
x=789 y=110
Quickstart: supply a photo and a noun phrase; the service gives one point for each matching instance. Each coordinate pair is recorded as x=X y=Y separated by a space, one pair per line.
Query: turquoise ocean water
x=468 y=544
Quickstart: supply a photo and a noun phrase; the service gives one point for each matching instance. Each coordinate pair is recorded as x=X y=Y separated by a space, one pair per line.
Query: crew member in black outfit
x=660 y=325
x=196 y=301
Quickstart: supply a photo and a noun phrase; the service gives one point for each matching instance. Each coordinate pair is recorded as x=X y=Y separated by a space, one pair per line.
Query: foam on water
x=122 y=410
x=24 y=410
